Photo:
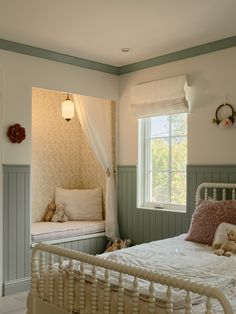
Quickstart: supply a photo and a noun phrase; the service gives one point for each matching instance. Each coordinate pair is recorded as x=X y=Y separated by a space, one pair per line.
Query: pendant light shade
x=67 y=109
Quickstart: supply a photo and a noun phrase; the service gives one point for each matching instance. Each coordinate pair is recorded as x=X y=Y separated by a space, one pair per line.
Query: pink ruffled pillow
x=206 y=218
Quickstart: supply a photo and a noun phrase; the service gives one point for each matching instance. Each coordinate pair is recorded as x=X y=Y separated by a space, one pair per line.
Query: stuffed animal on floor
x=125 y=243
x=117 y=244
x=49 y=211
x=59 y=214
x=228 y=247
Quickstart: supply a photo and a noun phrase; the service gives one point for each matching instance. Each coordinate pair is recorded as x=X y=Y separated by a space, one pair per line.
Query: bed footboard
x=55 y=301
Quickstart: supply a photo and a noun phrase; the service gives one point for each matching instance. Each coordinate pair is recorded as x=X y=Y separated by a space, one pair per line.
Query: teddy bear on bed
x=49 y=211
x=59 y=214
x=228 y=247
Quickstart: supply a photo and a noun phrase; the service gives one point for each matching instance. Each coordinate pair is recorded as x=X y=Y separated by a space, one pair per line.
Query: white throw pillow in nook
x=80 y=204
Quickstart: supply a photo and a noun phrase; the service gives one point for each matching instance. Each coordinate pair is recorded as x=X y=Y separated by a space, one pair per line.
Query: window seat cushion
x=47 y=231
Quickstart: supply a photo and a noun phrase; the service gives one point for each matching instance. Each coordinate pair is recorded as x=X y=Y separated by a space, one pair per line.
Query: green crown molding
x=56 y=56
x=84 y=63
x=179 y=55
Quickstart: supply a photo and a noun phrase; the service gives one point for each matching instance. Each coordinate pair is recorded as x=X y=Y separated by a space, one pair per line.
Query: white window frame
x=143 y=189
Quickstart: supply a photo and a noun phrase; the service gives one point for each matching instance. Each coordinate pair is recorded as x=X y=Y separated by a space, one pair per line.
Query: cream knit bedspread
x=175 y=257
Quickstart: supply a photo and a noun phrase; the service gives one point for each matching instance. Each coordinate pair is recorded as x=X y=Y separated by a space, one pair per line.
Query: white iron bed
x=135 y=280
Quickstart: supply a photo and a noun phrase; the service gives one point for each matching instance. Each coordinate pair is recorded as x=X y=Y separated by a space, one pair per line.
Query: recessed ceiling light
x=125 y=49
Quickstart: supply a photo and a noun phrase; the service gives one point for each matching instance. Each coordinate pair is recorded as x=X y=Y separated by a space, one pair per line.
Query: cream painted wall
x=21 y=73
x=212 y=77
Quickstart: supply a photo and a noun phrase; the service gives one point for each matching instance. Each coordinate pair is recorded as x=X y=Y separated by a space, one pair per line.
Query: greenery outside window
x=162 y=162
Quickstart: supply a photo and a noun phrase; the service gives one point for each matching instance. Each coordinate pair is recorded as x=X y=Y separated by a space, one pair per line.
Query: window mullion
x=170 y=156
x=148 y=162
x=144 y=160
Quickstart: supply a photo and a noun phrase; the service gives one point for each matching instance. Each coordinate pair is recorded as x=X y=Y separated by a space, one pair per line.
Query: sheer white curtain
x=95 y=118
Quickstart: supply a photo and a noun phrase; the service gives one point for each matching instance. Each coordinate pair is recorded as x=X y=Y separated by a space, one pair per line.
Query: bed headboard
x=216 y=191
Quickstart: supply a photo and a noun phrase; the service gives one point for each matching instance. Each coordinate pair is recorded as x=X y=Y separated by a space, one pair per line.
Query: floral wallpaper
x=61 y=155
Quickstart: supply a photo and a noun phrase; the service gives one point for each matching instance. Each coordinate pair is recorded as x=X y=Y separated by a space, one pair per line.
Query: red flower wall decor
x=16 y=133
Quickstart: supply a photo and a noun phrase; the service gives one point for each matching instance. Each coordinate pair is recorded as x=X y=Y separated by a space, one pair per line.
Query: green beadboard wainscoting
x=141 y=225
x=144 y=225
x=16 y=230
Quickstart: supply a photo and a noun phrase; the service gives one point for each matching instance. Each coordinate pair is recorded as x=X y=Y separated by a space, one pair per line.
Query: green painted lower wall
x=141 y=225
x=144 y=225
x=16 y=222
x=16 y=230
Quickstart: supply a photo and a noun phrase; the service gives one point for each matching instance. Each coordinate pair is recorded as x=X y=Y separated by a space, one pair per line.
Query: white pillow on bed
x=80 y=204
x=221 y=232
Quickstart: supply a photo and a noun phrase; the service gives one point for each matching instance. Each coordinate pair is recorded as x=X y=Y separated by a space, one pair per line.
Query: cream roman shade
x=163 y=97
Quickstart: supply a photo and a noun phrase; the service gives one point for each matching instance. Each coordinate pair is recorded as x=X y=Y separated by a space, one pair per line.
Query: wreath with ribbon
x=16 y=133
x=225 y=122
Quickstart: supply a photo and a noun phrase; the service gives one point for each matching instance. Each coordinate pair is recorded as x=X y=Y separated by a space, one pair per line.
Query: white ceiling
x=97 y=29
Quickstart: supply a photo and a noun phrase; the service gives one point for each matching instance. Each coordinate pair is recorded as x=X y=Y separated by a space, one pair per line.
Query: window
x=162 y=161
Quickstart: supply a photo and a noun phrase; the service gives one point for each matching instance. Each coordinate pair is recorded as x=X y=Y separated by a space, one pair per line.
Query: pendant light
x=67 y=109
